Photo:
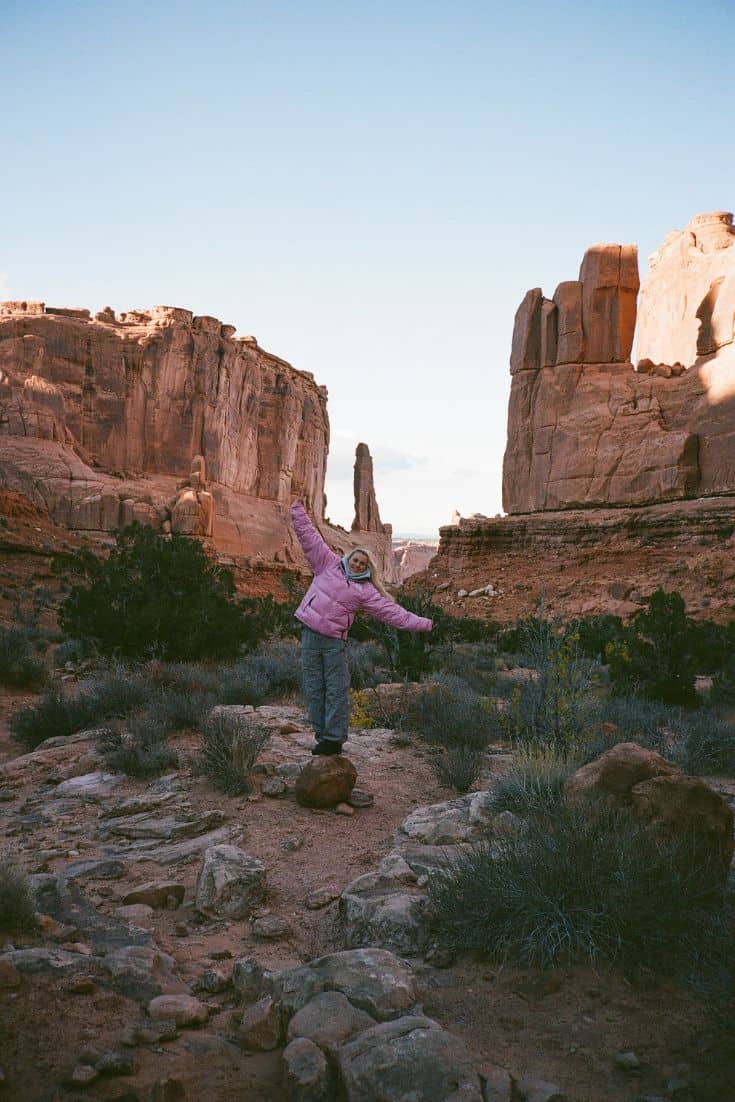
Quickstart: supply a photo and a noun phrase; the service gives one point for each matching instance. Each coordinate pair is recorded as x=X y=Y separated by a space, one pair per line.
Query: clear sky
x=369 y=188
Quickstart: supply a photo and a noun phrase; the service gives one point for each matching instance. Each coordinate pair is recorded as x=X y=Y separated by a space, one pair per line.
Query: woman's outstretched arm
x=315 y=549
x=378 y=606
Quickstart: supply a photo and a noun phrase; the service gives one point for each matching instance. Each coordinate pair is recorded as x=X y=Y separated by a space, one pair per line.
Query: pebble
x=292 y=844
x=270 y=927
x=115 y=1063
x=81 y=985
x=220 y=954
x=360 y=798
x=9 y=976
x=628 y=1061
x=184 y=1009
x=82 y=1076
x=181 y=929
x=344 y=809
x=322 y=897
x=273 y=787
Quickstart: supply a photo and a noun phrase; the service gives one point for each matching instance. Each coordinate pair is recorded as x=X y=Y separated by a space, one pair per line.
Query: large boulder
x=685 y=808
x=656 y=793
x=231 y=882
x=412 y=1057
x=612 y=776
x=326 y=781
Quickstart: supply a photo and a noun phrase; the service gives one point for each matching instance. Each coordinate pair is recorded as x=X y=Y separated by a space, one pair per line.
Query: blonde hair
x=374 y=575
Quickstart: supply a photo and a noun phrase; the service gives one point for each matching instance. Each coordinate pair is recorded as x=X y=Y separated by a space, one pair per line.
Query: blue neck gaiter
x=362 y=577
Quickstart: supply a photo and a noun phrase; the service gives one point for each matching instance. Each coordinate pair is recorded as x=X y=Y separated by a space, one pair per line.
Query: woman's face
x=357 y=562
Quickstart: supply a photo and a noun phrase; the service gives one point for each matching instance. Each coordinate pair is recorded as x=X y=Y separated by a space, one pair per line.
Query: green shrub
x=17 y=907
x=272 y=673
x=459 y=766
x=534 y=785
x=54 y=714
x=473 y=662
x=708 y=745
x=555 y=708
x=366 y=665
x=155 y=596
x=229 y=750
x=176 y=711
x=138 y=748
x=21 y=666
x=576 y=887
x=449 y=713
x=593 y=634
x=267 y=618
x=655 y=656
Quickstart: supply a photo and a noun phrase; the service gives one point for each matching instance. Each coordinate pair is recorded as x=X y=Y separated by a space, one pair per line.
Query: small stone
x=154 y=1033
x=628 y=1061
x=260 y=1029
x=183 y=1009
x=292 y=844
x=81 y=985
x=344 y=809
x=322 y=897
x=270 y=927
x=82 y=1075
x=212 y=982
x=220 y=954
x=181 y=929
x=156 y=893
x=289 y=728
x=115 y=1063
x=138 y=914
x=360 y=798
x=273 y=787
x=9 y=976
x=539 y=1090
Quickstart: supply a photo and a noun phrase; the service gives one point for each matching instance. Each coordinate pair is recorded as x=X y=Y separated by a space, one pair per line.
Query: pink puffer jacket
x=331 y=601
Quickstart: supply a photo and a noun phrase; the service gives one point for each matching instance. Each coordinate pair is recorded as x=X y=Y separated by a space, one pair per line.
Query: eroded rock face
x=585 y=428
x=101 y=417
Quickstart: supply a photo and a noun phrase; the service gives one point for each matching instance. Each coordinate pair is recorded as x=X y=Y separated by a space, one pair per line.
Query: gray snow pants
x=326 y=685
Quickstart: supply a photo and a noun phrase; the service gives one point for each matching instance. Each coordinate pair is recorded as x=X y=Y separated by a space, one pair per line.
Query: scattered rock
x=360 y=798
x=412 y=1057
x=628 y=1061
x=538 y=1090
x=274 y=787
x=321 y=897
x=271 y=927
x=260 y=1029
x=344 y=809
x=9 y=975
x=329 y=1019
x=182 y=1009
x=373 y=980
x=306 y=1072
x=82 y=1076
x=155 y=893
x=231 y=882
x=138 y=914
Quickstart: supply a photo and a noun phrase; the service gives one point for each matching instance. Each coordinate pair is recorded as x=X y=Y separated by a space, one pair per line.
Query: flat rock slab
x=31 y=961
x=167 y=828
x=182 y=1009
x=90 y=786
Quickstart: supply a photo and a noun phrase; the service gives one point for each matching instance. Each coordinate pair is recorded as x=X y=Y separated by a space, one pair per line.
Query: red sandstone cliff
x=585 y=428
x=101 y=417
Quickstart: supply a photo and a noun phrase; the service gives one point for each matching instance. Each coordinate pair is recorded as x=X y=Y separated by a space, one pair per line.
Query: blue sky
x=369 y=189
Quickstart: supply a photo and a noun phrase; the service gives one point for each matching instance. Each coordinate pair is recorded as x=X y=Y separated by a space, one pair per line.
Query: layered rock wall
x=585 y=428
x=100 y=417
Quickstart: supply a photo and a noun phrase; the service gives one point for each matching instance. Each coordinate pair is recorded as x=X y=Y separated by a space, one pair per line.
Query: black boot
x=327 y=747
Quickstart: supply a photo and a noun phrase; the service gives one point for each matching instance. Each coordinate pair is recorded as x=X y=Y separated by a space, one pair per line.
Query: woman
x=341 y=587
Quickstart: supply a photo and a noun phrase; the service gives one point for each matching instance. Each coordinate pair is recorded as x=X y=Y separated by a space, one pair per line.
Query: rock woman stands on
x=341 y=587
